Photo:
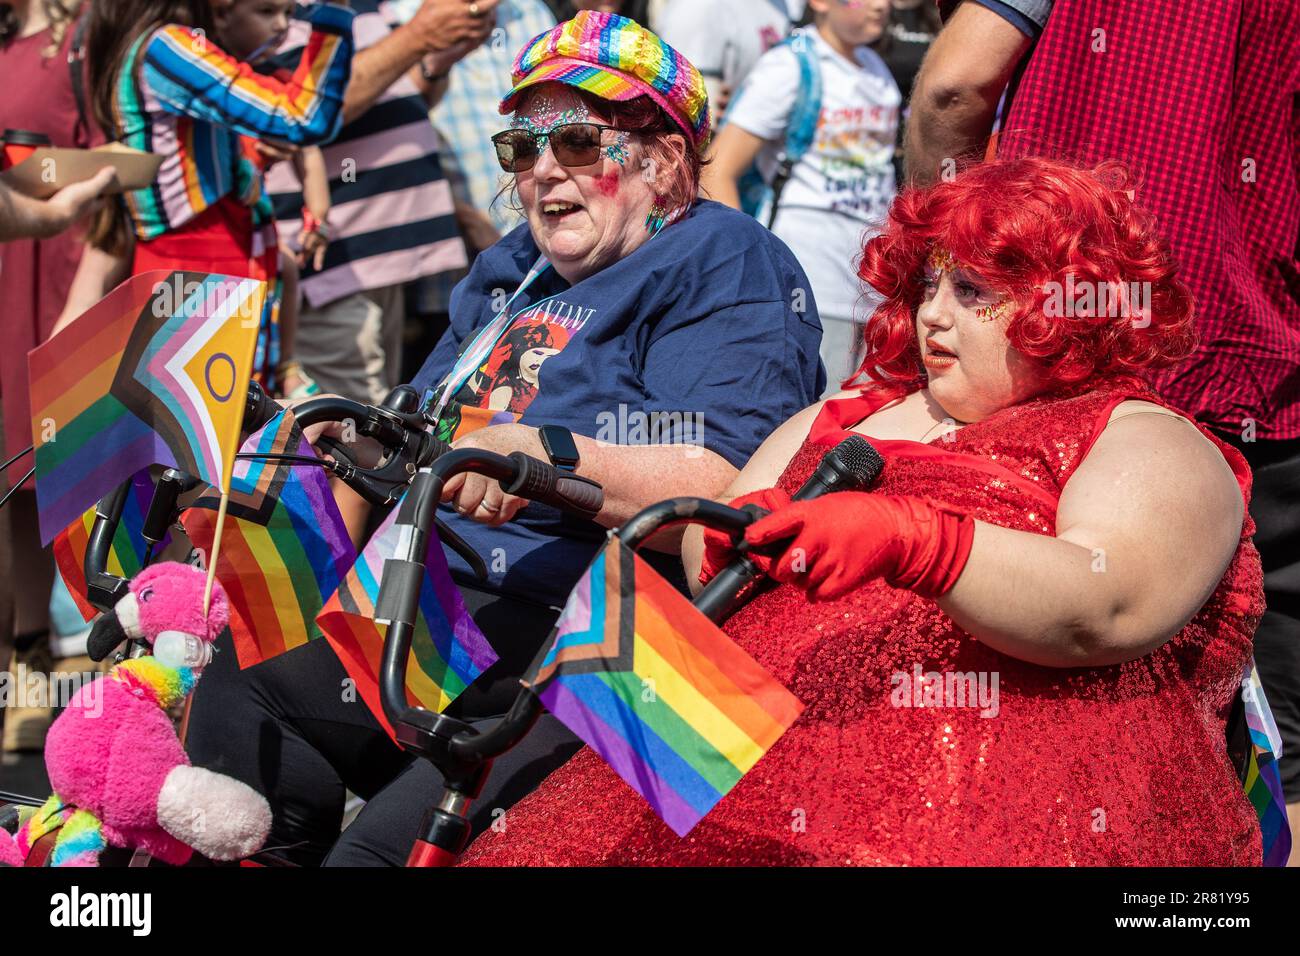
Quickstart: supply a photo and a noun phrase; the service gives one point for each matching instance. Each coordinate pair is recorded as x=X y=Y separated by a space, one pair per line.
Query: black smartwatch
x=560 y=447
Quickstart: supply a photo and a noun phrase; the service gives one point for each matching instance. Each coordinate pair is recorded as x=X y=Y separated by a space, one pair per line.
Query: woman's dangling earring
x=658 y=212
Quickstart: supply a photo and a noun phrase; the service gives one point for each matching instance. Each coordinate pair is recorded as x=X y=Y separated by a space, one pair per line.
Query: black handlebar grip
x=431 y=449
x=534 y=479
x=259 y=408
x=581 y=496
x=540 y=481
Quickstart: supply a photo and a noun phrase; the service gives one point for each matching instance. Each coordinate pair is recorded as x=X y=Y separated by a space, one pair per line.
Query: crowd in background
x=412 y=191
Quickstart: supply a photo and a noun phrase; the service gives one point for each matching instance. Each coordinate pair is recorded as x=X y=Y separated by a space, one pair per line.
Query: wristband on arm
x=311 y=224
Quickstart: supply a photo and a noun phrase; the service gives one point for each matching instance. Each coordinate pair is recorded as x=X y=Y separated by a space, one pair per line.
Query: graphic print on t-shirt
x=509 y=380
x=854 y=146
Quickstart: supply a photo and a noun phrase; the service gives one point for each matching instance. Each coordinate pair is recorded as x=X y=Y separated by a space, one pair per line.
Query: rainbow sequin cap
x=616 y=59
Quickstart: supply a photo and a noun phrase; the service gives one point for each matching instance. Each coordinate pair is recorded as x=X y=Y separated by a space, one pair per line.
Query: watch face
x=559 y=445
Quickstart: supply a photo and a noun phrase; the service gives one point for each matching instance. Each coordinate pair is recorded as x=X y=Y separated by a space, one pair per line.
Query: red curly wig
x=1026 y=227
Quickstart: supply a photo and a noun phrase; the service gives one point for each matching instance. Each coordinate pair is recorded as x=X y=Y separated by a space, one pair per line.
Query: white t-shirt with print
x=725 y=38
x=840 y=190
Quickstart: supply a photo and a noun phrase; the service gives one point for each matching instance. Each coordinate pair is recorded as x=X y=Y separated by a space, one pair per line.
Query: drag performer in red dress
x=1020 y=646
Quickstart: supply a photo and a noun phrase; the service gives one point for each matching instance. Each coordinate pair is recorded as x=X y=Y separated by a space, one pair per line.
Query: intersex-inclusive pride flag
x=126 y=553
x=284 y=548
x=676 y=707
x=1263 y=781
x=154 y=373
x=447 y=650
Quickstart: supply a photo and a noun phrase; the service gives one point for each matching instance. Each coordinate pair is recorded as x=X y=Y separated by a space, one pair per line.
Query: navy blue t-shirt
x=707 y=334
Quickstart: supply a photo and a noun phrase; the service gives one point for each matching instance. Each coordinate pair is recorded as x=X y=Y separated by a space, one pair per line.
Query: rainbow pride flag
x=677 y=708
x=154 y=373
x=448 y=651
x=284 y=549
x=127 y=552
x=1263 y=781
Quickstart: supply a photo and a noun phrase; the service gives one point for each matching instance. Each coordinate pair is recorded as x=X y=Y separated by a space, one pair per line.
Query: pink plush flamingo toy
x=119 y=774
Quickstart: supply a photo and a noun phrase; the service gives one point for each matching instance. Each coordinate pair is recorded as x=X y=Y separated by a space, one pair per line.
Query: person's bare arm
x=956 y=94
x=1145 y=529
x=98 y=273
x=633 y=476
x=476 y=226
x=734 y=150
x=309 y=164
x=430 y=80
x=441 y=29
x=22 y=217
x=761 y=471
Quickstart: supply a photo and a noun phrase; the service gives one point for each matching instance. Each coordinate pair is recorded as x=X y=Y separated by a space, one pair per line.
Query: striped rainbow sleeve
x=192 y=77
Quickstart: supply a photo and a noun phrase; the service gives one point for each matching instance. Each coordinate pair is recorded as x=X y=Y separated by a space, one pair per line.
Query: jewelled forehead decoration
x=544 y=114
x=941 y=260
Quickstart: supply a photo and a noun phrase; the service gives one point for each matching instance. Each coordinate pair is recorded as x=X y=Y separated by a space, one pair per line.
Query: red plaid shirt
x=1201 y=98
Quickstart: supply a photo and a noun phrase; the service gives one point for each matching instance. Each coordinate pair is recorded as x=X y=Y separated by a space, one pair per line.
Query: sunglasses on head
x=573 y=144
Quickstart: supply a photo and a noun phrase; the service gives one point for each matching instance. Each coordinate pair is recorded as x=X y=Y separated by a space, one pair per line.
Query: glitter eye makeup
x=940 y=261
x=572 y=144
x=617 y=150
x=987 y=313
x=575 y=140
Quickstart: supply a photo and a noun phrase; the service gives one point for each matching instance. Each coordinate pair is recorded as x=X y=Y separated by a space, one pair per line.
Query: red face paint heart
x=608 y=185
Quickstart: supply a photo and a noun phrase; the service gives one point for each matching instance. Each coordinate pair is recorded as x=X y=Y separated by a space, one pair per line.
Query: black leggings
x=293 y=729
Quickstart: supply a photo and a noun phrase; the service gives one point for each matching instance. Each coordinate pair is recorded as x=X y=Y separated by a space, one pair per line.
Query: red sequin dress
x=1105 y=766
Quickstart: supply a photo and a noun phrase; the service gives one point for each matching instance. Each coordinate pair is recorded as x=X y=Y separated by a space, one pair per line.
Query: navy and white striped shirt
x=391 y=218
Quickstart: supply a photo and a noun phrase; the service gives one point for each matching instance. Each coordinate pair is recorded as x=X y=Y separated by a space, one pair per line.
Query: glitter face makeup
x=617 y=150
x=941 y=260
x=544 y=114
x=584 y=211
x=970 y=366
x=569 y=130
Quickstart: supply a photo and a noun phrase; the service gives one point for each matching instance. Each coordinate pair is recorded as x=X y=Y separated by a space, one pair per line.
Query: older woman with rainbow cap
x=668 y=334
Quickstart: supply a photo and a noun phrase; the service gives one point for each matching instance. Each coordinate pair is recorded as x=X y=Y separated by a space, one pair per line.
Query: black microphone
x=851 y=465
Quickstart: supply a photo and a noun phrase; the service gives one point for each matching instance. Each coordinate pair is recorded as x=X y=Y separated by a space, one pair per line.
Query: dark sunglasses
x=573 y=144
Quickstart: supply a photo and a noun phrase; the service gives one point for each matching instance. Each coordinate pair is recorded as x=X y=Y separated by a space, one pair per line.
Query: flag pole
x=216 y=550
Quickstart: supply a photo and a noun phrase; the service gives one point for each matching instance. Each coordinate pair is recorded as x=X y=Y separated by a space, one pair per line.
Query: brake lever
x=454 y=541
x=379 y=486
x=337 y=450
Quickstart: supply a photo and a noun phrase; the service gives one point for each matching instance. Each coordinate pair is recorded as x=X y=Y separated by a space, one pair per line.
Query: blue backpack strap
x=802 y=128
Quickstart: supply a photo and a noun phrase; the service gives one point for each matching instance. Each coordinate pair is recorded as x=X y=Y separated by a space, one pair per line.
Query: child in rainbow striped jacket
x=163 y=85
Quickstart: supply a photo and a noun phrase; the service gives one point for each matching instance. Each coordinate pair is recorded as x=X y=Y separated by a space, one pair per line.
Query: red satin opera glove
x=840 y=541
x=718 y=549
